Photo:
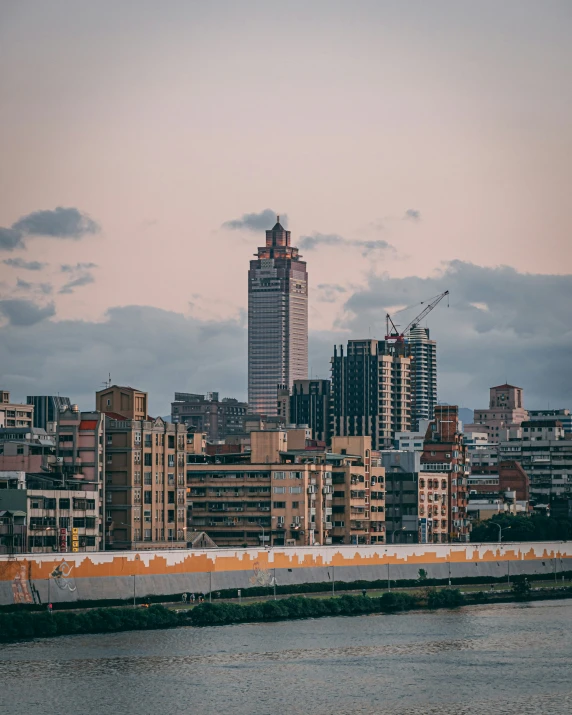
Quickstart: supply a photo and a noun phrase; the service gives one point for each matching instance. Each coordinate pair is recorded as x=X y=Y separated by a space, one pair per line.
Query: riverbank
x=26 y=625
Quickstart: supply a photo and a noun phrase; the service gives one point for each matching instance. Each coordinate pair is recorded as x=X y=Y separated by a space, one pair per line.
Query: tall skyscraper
x=277 y=320
x=423 y=352
x=371 y=391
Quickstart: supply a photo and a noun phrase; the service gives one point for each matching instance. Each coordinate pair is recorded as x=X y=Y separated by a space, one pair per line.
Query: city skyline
x=431 y=158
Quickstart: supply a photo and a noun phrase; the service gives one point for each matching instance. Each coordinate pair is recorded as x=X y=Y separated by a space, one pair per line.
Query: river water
x=498 y=659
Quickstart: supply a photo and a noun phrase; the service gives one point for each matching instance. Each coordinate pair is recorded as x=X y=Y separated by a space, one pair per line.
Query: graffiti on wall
x=261 y=576
x=61 y=577
x=20 y=587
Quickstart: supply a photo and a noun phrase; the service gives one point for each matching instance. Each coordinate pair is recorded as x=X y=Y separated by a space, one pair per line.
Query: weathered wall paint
x=80 y=576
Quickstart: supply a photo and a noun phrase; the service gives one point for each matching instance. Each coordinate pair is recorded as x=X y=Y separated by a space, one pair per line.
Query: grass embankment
x=17 y=626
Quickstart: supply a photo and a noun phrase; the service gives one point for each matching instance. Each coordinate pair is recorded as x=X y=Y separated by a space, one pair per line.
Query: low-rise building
x=13 y=414
x=282 y=496
x=434 y=515
x=545 y=453
x=208 y=414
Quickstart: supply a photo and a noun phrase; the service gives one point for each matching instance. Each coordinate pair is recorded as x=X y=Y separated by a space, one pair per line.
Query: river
x=500 y=659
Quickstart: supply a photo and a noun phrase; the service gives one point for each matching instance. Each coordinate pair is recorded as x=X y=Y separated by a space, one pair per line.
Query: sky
x=411 y=148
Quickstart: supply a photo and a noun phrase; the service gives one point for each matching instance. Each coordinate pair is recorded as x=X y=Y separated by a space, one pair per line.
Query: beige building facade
x=14 y=415
x=145 y=492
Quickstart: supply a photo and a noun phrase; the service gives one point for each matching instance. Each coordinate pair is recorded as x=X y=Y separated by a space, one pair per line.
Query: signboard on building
x=75 y=540
x=63 y=540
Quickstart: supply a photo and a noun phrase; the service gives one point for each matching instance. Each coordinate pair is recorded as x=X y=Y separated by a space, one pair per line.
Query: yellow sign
x=75 y=548
x=74 y=531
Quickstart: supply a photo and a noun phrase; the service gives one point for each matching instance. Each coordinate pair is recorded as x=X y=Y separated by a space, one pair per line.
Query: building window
x=279 y=505
x=295 y=490
x=279 y=490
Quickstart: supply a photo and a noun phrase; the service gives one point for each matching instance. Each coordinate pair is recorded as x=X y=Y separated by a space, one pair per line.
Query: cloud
x=24 y=313
x=67 y=268
x=523 y=336
x=10 y=239
x=262 y=221
x=83 y=280
x=329 y=292
x=310 y=243
x=73 y=357
x=24 y=265
x=58 y=223
x=412 y=215
x=32 y=289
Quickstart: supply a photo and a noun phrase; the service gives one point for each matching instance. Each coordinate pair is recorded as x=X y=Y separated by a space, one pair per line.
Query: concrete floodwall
x=39 y=578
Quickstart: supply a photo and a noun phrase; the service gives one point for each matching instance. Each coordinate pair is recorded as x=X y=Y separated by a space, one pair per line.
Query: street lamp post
x=506 y=528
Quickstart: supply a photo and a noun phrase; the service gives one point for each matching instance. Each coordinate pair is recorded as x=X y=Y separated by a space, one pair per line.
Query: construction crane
x=391 y=329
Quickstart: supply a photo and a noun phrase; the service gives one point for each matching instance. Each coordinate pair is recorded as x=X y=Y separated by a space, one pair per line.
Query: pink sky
x=162 y=121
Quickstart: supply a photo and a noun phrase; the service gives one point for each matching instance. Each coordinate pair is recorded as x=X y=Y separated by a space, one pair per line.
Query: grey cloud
x=83 y=280
x=24 y=265
x=412 y=215
x=256 y=221
x=501 y=325
x=330 y=292
x=10 y=239
x=67 y=268
x=74 y=356
x=332 y=286
x=310 y=243
x=24 y=313
x=33 y=288
x=60 y=223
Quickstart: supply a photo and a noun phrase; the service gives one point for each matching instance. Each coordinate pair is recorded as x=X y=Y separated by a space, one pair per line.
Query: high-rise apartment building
x=277 y=320
x=505 y=412
x=308 y=403
x=423 y=352
x=47 y=408
x=371 y=391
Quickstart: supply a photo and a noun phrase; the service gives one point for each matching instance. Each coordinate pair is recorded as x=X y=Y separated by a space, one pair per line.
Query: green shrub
x=446 y=598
